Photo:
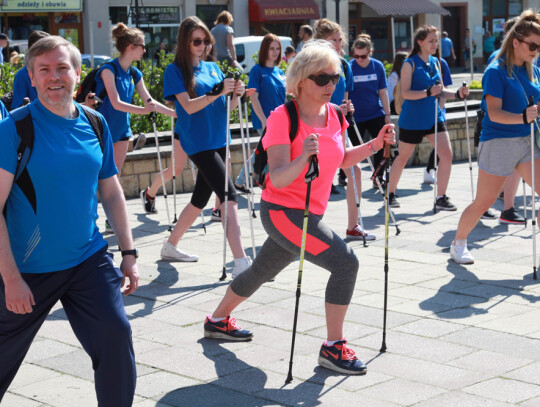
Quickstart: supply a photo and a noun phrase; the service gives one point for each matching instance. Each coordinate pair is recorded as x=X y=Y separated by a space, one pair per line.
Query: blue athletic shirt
x=119 y=122
x=419 y=114
x=345 y=84
x=270 y=85
x=365 y=95
x=3 y=111
x=65 y=167
x=207 y=128
x=22 y=88
x=497 y=83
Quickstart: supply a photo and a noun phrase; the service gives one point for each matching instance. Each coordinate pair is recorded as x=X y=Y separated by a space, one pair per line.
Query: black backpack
x=89 y=84
x=7 y=100
x=260 y=164
x=25 y=131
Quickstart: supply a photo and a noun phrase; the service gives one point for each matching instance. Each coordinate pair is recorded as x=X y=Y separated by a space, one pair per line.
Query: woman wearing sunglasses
x=505 y=142
x=311 y=78
x=370 y=94
x=202 y=131
x=120 y=79
x=269 y=84
x=421 y=84
x=332 y=32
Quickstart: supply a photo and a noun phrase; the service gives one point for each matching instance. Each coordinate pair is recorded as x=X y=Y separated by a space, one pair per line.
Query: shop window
x=241 y=52
x=515 y=7
x=378 y=30
x=70 y=34
x=67 y=18
x=20 y=26
x=499 y=8
x=208 y=14
x=486 y=7
x=118 y=15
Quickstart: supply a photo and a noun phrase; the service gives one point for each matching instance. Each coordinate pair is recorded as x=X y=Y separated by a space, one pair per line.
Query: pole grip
x=313 y=170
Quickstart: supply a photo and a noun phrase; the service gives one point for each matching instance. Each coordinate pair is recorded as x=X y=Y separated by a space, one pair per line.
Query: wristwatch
x=132 y=252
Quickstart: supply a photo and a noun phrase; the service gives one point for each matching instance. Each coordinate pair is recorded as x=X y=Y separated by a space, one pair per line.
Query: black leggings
x=211 y=178
x=373 y=126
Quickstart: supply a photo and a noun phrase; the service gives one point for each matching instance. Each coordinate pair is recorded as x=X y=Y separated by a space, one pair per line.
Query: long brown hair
x=182 y=57
x=528 y=23
x=265 y=49
x=421 y=34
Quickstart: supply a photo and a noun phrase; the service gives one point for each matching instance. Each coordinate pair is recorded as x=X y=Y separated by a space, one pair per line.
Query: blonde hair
x=324 y=28
x=224 y=18
x=314 y=56
x=528 y=23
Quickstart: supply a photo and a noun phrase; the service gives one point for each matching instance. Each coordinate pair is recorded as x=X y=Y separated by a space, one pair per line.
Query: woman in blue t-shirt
x=505 y=141
x=370 y=94
x=269 y=84
x=202 y=130
x=421 y=88
x=332 y=32
x=121 y=79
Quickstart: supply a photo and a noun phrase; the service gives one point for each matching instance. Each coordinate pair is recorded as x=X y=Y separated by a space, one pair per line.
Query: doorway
x=455 y=25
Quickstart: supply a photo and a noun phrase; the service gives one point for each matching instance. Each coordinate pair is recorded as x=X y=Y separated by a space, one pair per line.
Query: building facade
x=88 y=23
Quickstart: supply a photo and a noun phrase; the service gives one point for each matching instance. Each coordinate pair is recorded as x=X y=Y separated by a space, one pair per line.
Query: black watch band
x=132 y=252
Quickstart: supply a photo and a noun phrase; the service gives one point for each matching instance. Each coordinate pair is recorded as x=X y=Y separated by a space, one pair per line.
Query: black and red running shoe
x=226 y=329
x=340 y=358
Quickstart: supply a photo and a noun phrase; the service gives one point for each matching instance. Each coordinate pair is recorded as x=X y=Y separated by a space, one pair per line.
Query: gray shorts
x=500 y=156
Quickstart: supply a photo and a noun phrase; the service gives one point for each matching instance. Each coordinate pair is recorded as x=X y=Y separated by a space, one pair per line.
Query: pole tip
x=383 y=348
x=223 y=276
x=289 y=378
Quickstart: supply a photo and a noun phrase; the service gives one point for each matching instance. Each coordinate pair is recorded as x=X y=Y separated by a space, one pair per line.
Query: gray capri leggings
x=323 y=248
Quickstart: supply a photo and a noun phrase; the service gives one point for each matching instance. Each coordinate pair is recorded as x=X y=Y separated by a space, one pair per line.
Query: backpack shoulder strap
x=292 y=110
x=133 y=74
x=25 y=131
x=95 y=122
x=344 y=66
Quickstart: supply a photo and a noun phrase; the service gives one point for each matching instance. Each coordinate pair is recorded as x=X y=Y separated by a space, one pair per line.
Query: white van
x=246 y=47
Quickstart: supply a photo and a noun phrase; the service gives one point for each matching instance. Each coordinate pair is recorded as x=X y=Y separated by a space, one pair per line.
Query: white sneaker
x=460 y=254
x=171 y=253
x=241 y=265
x=429 y=177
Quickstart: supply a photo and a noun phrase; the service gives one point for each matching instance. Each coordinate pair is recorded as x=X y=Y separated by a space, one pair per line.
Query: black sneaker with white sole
x=149 y=204
x=392 y=201
x=443 y=203
x=512 y=217
x=488 y=215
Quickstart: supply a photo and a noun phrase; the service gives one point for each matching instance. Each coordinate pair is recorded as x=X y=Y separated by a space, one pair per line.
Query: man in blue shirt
x=50 y=247
x=447 y=48
x=22 y=86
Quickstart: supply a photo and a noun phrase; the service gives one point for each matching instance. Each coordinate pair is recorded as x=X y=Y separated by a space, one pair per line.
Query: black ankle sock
x=148 y=196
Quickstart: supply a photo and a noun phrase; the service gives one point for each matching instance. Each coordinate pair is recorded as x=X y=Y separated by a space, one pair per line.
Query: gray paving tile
x=458 y=398
x=507 y=390
x=401 y=391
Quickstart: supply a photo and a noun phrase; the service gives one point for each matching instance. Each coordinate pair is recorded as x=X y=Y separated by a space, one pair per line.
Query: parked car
x=98 y=60
x=246 y=47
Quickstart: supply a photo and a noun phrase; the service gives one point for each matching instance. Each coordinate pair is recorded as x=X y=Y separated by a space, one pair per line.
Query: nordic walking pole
x=174 y=170
x=194 y=181
x=312 y=173
x=249 y=92
x=436 y=163
x=153 y=117
x=533 y=194
x=468 y=143
x=246 y=164
x=386 y=236
x=357 y=198
x=379 y=186
x=524 y=201
x=225 y=211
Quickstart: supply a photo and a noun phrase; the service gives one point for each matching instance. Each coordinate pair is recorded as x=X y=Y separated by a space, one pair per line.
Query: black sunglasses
x=361 y=56
x=197 y=42
x=532 y=46
x=322 y=79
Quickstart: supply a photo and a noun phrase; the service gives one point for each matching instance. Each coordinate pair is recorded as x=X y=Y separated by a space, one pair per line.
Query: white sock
x=331 y=343
x=239 y=260
x=215 y=319
x=460 y=242
x=439 y=197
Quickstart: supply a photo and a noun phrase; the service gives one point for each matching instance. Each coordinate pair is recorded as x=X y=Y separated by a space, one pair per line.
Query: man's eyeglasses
x=361 y=56
x=197 y=42
x=532 y=46
x=322 y=79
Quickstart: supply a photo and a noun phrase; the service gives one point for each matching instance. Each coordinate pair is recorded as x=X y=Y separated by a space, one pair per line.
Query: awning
x=404 y=7
x=277 y=10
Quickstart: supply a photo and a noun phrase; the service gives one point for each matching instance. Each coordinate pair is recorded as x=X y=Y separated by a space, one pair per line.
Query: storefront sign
x=289 y=12
x=159 y=15
x=36 y=6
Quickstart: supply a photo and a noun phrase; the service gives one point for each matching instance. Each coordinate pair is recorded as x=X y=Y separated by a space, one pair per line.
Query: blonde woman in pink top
x=311 y=79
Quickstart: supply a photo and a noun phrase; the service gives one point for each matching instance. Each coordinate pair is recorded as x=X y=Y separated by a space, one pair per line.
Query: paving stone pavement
x=457 y=335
